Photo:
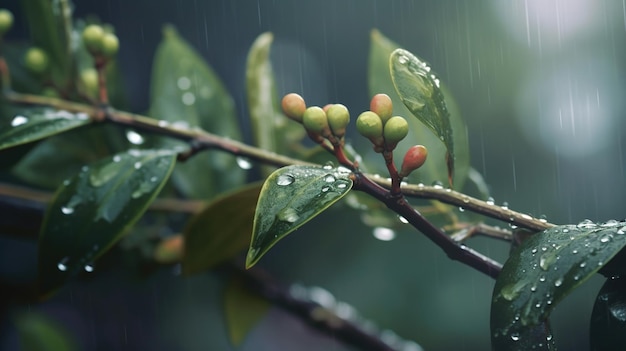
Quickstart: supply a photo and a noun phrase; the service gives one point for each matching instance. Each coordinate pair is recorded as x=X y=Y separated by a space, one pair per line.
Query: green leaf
x=242 y=310
x=419 y=90
x=272 y=131
x=39 y=333
x=185 y=91
x=435 y=168
x=44 y=24
x=608 y=319
x=91 y=211
x=542 y=271
x=290 y=197
x=221 y=230
x=32 y=124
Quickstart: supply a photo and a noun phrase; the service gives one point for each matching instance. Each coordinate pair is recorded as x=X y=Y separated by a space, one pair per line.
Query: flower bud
x=92 y=37
x=381 y=104
x=315 y=120
x=370 y=126
x=36 y=60
x=338 y=119
x=110 y=44
x=6 y=20
x=395 y=130
x=293 y=106
x=413 y=159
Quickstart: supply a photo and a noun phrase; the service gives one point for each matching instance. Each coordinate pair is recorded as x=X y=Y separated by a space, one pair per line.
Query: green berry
x=382 y=105
x=395 y=130
x=293 y=106
x=6 y=20
x=89 y=78
x=36 y=60
x=338 y=119
x=92 y=37
x=110 y=44
x=315 y=120
x=413 y=159
x=370 y=126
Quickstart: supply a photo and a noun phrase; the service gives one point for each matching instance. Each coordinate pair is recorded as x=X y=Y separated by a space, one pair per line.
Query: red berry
x=413 y=159
x=382 y=105
x=293 y=105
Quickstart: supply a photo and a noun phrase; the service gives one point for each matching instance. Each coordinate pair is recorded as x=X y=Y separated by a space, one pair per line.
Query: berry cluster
x=327 y=123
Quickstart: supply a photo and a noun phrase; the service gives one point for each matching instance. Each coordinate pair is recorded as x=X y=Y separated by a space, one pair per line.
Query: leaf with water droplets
x=542 y=271
x=272 y=131
x=91 y=211
x=435 y=168
x=32 y=124
x=608 y=319
x=187 y=93
x=290 y=197
x=242 y=310
x=221 y=230
x=420 y=91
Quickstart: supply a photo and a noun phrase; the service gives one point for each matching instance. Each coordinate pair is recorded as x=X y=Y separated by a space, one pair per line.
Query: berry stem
x=103 y=95
x=393 y=173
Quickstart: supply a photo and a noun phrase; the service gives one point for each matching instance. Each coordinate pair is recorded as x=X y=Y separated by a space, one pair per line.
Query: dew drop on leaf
x=67 y=210
x=329 y=178
x=243 y=163
x=62 y=265
x=88 y=268
x=134 y=137
x=288 y=215
x=285 y=179
x=183 y=83
x=384 y=234
x=18 y=121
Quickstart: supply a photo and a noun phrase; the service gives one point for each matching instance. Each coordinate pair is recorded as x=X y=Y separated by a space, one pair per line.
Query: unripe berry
x=6 y=20
x=315 y=120
x=92 y=37
x=413 y=159
x=109 y=44
x=370 y=126
x=382 y=105
x=36 y=60
x=338 y=119
x=293 y=106
x=395 y=130
x=89 y=77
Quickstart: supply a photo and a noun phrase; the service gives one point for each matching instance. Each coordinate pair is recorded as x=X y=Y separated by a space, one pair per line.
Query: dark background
x=539 y=83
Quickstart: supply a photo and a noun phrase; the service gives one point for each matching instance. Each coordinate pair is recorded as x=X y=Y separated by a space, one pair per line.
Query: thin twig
x=482 y=229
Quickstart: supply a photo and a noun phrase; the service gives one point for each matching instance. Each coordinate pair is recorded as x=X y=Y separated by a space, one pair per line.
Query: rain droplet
x=189 y=98
x=461 y=209
x=610 y=223
x=558 y=282
x=325 y=188
x=437 y=185
x=88 y=268
x=243 y=163
x=328 y=166
x=62 y=265
x=542 y=279
x=137 y=165
x=605 y=239
x=582 y=264
x=533 y=288
x=67 y=210
x=574 y=251
x=329 y=178
x=515 y=337
x=466 y=199
x=384 y=234
x=285 y=179
x=621 y=230
x=18 y=121
x=183 y=83
x=505 y=205
x=342 y=185
x=491 y=201
x=403 y=59
x=134 y=137
x=534 y=250
x=403 y=220
x=288 y=214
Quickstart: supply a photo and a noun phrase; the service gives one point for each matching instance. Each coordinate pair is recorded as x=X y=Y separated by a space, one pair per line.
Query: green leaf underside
x=221 y=230
x=32 y=124
x=272 y=130
x=435 y=168
x=419 y=90
x=242 y=310
x=290 y=197
x=92 y=210
x=541 y=272
x=186 y=92
x=608 y=319
x=39 y=333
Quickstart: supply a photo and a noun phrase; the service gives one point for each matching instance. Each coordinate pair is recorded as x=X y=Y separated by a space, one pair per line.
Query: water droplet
x=134 y=137
x=544 y=249
x=117 y=158
x=586 y=224
x=574 y=251
x=515 y=337
x=288 y=214
x=403 y=59
x=342 y=185
x=183 y=83
x=465 y=199
x=18 y=121
x=534 y=250
x=89 y=268
x=67 y=210
x=329 y=178
x=543 y=219
x=525 y=216
x=137 y=165
x=62 y=265
x=189 y=98
x=610 y=223
x=582 y=264
x=605 y=239
x=325 y=188
x=461 y=209
x=420 y=185
x=542 y=279
x=621 y=230
x=285 y=179
x=565 y=230
x=384 y=234
x=403 y=220
x=437 y=185
x=163 y=123
x=558 y=282
x=328 y=166
x=491 y=201
x=546 y=260
x=533 y=288
x=549 y=337
x=243 y=163
x=505 y=205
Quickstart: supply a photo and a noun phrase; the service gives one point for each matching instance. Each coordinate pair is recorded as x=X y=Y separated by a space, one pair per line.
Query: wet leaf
x=608 y=319
x=32 y=124
x=242 y=310
x=91 y=211
x=290 y=197
x=542 y=271
x=221 y=230
x=420 y=91
x=39 y=333
x=435 y=168
x=272 y=131
x=186 y=92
